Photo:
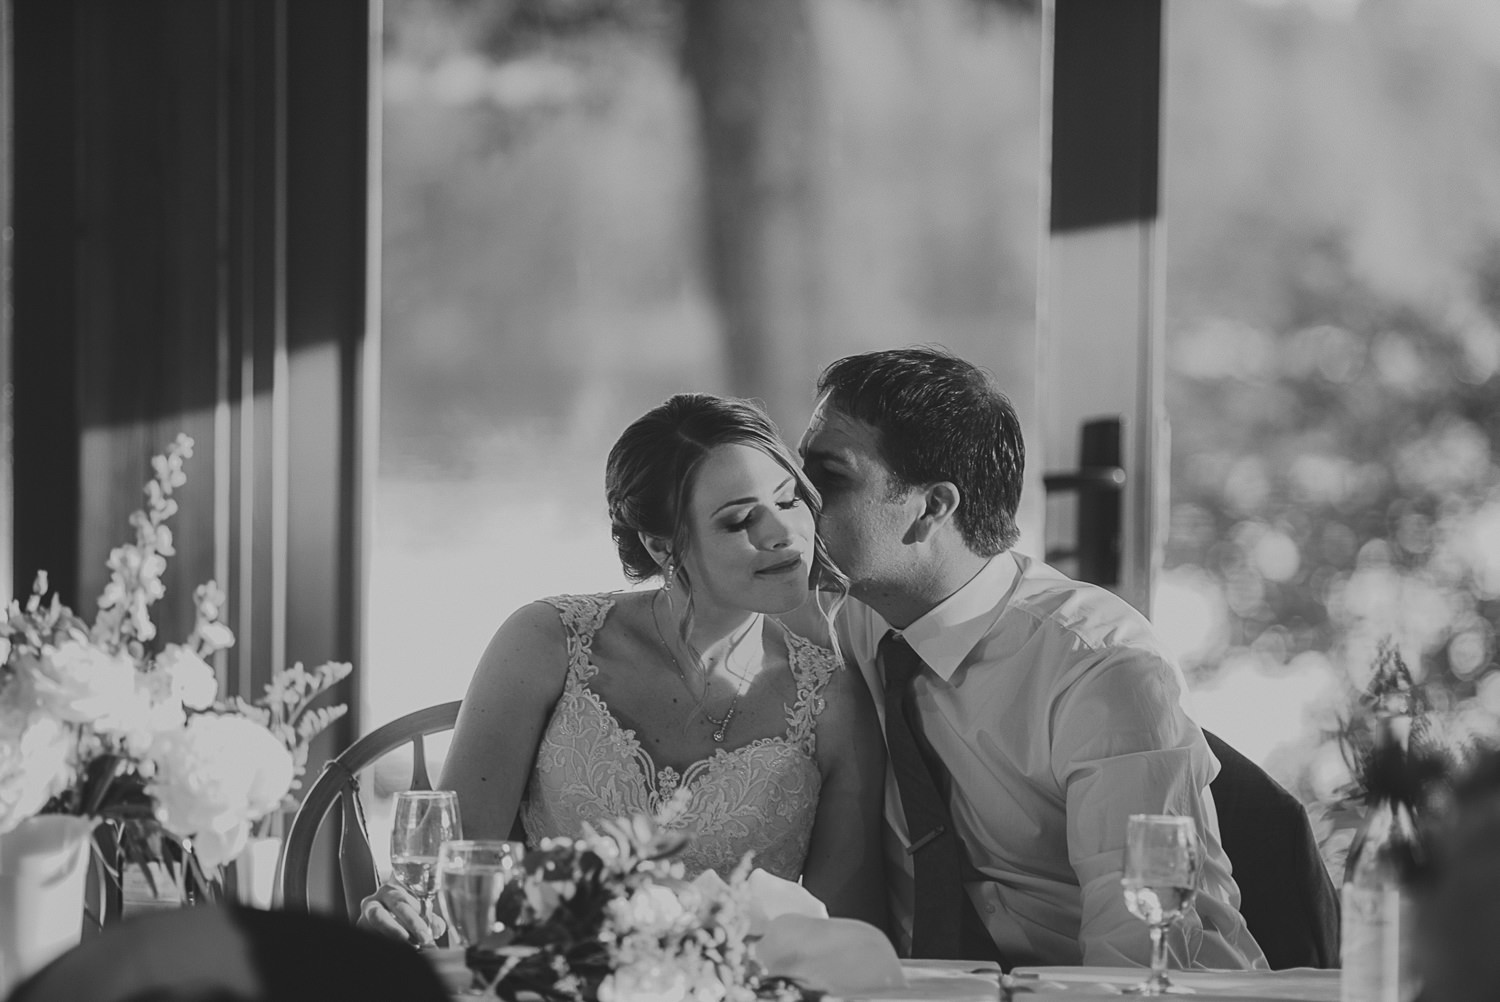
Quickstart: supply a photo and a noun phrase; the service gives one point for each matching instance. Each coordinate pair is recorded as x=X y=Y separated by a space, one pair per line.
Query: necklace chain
x=720 y=725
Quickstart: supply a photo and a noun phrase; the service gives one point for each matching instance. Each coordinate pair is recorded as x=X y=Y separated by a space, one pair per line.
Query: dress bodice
x=760 y=797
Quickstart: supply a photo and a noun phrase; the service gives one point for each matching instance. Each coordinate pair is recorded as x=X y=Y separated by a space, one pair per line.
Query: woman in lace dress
x=690 y=701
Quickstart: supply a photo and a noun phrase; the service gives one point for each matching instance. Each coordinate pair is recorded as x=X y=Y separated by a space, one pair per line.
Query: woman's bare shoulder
x=532 y=642
x=539 y=620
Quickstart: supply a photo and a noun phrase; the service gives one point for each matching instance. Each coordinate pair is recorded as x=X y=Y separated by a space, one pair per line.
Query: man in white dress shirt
x=1053 y=709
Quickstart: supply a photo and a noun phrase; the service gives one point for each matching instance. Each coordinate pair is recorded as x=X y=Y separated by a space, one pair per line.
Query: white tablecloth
x=1081 y=984
x=941 y=981
x=977 y=981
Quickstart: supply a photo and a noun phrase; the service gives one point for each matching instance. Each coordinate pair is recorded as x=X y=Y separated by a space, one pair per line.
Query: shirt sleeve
x=1122 y=745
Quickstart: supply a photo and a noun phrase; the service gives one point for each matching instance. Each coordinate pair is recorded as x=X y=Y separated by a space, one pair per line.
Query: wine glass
x=471 y=875
x=424 y=820
x=1162 y=860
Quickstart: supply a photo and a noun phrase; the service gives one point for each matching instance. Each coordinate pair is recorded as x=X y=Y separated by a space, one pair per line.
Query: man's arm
x=1122 y=745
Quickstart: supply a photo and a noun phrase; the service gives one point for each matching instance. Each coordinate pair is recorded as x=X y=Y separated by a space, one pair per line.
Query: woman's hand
x=393 y=911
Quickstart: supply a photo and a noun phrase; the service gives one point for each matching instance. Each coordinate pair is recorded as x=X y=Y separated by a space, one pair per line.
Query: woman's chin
x=786 y=599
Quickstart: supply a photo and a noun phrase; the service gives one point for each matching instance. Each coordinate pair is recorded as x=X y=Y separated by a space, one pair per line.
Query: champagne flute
x=471 y=875
x=1162 y=861
x=424 y=820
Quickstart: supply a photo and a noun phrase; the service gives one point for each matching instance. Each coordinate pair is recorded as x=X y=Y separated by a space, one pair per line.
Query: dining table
x=967 y=981
x=982 y=981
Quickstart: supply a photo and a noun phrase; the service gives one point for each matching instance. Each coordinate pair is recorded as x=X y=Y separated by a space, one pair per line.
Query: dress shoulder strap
x=812 y=666
x=581 y=616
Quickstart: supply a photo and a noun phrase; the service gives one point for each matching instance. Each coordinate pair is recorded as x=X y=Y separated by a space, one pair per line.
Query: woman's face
x=750 y=533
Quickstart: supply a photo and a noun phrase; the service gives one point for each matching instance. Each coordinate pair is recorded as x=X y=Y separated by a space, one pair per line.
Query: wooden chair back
x=338 y=786
x=1286 y=895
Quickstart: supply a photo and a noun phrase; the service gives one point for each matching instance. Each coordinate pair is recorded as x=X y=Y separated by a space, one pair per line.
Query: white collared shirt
x=1058 y=715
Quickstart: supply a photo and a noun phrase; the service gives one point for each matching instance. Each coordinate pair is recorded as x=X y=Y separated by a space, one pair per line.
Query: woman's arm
x=518 y=682
x=845 y=863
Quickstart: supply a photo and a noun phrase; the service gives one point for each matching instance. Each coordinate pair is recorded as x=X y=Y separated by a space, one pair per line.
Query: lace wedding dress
x=761 y=796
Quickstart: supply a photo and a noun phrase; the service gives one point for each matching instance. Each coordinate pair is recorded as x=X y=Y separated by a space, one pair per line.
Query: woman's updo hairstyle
x=650 y=472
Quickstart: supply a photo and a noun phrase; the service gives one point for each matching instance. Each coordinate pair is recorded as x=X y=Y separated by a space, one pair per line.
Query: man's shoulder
x=1096 y=617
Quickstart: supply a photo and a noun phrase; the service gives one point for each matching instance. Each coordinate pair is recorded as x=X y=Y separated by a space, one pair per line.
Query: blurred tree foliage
x=1358 y=434
x=1332 y=203
x=1334 y=351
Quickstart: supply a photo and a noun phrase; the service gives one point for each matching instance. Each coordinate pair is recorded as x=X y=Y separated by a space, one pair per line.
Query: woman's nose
x=777 y=532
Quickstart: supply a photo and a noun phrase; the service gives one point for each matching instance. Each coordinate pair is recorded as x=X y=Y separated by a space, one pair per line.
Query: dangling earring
x=668 y=572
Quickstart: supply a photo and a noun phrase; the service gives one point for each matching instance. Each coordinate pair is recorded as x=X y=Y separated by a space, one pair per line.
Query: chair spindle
x=419 y=777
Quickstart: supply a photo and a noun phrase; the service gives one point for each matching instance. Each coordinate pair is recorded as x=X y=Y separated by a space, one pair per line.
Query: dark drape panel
x=192 y=182
x=1106 y=112
x=42 y=292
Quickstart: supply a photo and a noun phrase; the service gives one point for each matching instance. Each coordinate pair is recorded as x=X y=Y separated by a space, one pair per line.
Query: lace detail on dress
x=812 y=666
x=760 y=797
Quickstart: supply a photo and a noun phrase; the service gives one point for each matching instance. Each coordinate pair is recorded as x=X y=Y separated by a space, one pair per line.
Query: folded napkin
x=836 y=955
x=770 y=896
x=793 y=937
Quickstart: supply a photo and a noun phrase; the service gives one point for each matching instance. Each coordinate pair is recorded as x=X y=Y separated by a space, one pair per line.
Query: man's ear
x=658 y=548
x=941 y=500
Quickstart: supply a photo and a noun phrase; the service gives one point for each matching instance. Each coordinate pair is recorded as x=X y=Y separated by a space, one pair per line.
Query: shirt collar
x=946 y=635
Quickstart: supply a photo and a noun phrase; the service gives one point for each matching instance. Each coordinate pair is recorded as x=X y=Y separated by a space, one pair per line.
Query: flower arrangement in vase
x=1401 y=770
x=1394 y=743
x=100 y=722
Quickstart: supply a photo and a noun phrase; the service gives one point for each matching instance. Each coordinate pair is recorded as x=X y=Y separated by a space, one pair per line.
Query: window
x=562 y=252
x=1333 y=349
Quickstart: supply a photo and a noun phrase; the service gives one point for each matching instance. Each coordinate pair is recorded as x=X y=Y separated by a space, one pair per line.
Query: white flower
x=78 y=682
x=136 y=719
x=216 y=635
x=193 y=682
x=645 y=983
x=648 y=908
x=35 y=763
x=214 y=778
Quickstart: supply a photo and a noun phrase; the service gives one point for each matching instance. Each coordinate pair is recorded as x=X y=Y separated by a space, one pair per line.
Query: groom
x=1026 y=715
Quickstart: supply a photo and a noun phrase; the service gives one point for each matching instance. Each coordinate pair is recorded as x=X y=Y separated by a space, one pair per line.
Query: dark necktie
x=944 y=922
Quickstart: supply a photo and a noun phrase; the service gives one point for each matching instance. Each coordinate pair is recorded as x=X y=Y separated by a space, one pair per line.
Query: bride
x=691 y=701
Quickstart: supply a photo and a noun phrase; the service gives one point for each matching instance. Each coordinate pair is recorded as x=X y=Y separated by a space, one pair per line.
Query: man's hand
x=393 y=911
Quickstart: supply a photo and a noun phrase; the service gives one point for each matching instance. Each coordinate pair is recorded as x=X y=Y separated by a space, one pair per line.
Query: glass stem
x=1158 y=980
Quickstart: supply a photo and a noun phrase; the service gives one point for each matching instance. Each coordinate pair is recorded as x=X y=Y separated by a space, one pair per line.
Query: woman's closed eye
x=740 y=525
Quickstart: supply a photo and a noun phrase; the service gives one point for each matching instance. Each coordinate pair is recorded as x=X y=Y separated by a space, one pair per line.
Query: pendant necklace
x=720 y=724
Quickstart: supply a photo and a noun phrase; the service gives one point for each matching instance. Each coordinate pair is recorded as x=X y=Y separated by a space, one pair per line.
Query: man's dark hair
x=939 y=417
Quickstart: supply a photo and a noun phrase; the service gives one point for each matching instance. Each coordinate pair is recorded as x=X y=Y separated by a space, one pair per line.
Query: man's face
x=865 y=517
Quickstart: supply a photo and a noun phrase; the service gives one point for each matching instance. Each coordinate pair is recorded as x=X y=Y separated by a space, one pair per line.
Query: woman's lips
x=782 y=568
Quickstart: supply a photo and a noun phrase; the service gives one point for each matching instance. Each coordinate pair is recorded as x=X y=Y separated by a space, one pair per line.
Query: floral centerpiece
x=286 y=710
x=100 y=722
x=1414 y=769
x=1397 y=747
x=610 y=917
